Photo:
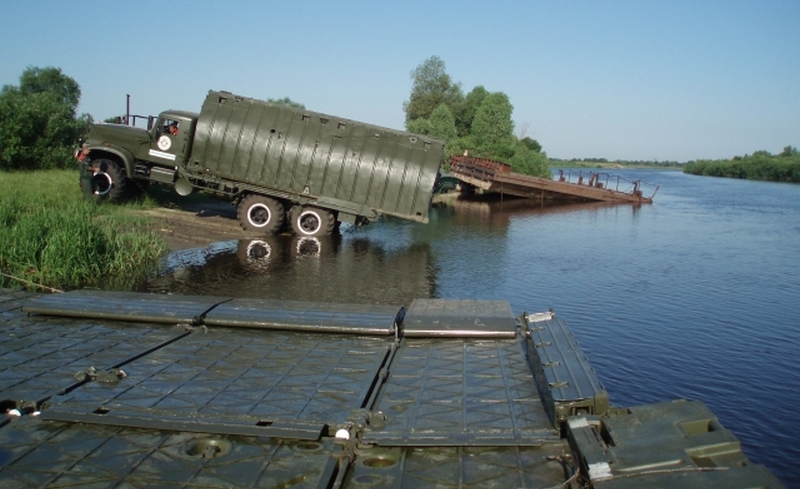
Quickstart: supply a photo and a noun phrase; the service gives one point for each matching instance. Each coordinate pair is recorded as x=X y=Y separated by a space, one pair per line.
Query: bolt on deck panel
x=263 y=374
x=40 y=357
x=46 y=454
x=461 y=391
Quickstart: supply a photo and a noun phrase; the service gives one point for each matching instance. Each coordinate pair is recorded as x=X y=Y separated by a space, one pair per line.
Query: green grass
x=51 y=236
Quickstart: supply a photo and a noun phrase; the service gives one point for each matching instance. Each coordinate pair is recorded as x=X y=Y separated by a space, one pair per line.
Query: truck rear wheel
x=108 y=181
x=260 y=214
x=312 y=221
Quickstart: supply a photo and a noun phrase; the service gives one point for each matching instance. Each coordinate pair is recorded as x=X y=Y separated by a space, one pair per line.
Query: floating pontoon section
x=221 y=392
x=125 y=306
x=222 y=311
x=566 y=380
x=459 y=319
x=677 y=444
x=304 y=316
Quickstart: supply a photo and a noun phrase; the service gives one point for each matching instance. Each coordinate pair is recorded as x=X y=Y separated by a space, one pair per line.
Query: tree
x=420 y=126
x=492 y=123
x=443 y=123
x=38 y=124
x=529 y=161
x=531 y=144
x=479 y=123
x=286 y=101
x=466 y=112
x=431 y=87
x=51 y=81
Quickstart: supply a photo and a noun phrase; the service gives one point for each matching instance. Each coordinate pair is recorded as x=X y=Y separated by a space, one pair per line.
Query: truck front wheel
x=261 y=214
x=312 y=221
x=106 y=182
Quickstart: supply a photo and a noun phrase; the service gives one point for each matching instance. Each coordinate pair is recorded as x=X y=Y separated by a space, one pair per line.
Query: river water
x=695 y=296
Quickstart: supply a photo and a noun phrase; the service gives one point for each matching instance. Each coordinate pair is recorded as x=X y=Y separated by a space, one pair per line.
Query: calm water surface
x=695 y=296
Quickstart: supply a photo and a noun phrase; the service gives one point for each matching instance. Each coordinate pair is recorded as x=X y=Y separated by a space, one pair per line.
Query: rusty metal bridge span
x=494 y=176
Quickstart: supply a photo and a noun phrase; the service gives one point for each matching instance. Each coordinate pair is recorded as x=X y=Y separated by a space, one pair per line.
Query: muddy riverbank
x=195 y=225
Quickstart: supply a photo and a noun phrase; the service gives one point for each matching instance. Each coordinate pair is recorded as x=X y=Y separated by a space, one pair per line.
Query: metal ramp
x=497 y=177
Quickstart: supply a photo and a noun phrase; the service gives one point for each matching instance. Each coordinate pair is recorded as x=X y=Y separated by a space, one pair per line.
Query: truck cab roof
x=181 y=114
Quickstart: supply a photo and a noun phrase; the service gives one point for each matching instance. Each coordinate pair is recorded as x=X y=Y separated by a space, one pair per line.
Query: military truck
x=277 y=164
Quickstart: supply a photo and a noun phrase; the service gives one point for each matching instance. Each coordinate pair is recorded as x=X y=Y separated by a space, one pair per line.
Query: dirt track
x=193 y=228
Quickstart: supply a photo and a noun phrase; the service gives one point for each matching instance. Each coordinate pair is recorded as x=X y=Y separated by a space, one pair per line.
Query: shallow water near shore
x=694 y=296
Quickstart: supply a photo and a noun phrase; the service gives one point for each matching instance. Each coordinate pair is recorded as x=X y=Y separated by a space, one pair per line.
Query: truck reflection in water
x=328 y=269
x=390 y=261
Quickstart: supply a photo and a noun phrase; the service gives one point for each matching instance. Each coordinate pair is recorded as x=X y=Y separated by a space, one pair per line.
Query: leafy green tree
x=39 y=127
x=286 y=101
x=492 y=123
x=431 y=87
x=466 y=113
x=479 y=123
x=443 y=123
x=531 y=144
x=50 y=80
x=420 y=126
x=529 y=161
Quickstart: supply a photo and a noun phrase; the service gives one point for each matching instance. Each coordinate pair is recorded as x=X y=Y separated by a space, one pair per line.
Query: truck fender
x=122 y=155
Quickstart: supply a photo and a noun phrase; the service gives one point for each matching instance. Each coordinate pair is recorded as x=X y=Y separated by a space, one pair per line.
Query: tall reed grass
x=51 y=236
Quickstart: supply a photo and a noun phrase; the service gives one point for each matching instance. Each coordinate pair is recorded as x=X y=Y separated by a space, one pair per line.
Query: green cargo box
x=336 y=163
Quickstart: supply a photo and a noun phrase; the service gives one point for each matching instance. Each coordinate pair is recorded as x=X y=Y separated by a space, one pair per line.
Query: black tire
x=108 y=182
x=312 y=222
x=261 y=214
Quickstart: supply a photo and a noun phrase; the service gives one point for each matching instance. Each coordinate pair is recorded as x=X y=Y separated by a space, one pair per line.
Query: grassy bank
x=51 y=236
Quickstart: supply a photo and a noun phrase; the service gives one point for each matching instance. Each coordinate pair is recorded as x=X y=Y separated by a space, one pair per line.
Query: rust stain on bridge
x=494 y=176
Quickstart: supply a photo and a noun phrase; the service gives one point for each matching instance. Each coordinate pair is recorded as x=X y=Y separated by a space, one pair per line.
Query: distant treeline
x=761 y=165
x=604 y=163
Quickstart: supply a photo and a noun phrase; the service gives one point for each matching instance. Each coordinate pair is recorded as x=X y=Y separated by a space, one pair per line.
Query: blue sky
x=651 y=80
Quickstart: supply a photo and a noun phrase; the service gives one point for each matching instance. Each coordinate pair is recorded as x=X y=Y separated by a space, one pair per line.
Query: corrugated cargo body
x=337 y=162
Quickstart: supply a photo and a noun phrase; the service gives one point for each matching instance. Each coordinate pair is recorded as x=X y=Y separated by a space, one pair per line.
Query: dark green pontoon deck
x=138 y=390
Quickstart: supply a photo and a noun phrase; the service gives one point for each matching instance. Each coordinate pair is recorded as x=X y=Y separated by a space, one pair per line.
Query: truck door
x=172 y=141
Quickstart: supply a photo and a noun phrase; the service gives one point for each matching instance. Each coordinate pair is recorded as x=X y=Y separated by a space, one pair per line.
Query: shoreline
x=198 y=225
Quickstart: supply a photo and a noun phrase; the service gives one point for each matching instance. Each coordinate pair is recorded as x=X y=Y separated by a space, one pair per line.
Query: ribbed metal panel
x=137 y=405
x=459 y=318
x=304 y=316
x=124 y=306
x=567 y=381
x=316 y=155
x=41 y=357
x=461 y=392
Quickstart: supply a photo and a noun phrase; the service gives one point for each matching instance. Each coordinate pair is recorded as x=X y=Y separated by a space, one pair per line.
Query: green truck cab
x=277 y=164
